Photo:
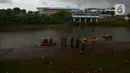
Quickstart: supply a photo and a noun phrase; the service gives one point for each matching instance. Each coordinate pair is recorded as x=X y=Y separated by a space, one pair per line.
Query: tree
x=30 y=12
x=9 y=11
x=17 y=10
x=2 y=12
x=23 y=11
x=112 y=12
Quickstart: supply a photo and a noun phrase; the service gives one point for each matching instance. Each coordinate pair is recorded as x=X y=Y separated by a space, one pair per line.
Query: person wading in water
x=83 y=45
x=62 y=40
x=78 y=42
x=72 y=42
x=94 y=42
x=65 y=41
x=110 y=37
x=106 y=36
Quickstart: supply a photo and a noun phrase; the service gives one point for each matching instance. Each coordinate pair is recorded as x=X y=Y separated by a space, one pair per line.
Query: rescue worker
x=110 y=37
x=84 y=44
x=72 y=42
x=83 y=38
x=94 y=42
x=106 y=36
x=46 y=41
x=50 y=40
x=62 y=40
x=78 y=42
x=65 y=41
x=42 y=41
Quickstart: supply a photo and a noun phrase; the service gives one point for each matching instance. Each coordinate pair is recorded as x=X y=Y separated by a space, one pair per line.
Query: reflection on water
x=28 y=38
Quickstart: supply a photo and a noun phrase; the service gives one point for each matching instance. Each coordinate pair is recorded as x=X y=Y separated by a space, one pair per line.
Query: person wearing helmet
x=94 y=42
x=106 y=36
x=84 y=45
x=46 y=41
x=82 y=39
x=85 y=38
x=110 y=37
x=51 y=41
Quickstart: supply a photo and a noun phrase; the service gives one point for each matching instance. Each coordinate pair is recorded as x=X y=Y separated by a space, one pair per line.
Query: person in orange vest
x=110 y=37
x=94 y=42
x=106 y=36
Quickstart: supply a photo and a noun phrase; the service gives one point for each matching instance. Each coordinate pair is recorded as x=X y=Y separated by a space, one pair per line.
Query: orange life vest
x=85 y=43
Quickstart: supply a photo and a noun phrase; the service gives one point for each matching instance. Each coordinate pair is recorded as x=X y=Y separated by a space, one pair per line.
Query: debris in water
x=50 y=66
x=95 y=71
x=126 y=61
x=114 y=54
x=29 y=63
x=113 y=65
x=100 y=69
x=73 y=65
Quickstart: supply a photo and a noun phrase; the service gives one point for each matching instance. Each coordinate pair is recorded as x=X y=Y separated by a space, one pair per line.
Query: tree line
x=21 y=16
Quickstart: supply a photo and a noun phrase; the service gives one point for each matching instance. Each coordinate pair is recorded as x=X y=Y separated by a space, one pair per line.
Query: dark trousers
x=110 y=37
x=83 y=46
x=72 y=45
x=77 y=45
x=107 y=38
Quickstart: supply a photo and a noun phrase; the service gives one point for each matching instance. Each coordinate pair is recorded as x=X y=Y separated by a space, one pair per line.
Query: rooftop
x=58 y=8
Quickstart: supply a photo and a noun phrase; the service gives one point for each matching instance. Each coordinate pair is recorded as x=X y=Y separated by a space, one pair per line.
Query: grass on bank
x=72 y=62
x=113 y=23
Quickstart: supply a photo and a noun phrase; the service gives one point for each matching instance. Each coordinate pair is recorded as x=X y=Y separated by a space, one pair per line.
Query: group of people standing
x=78 y=42
x=82 y=42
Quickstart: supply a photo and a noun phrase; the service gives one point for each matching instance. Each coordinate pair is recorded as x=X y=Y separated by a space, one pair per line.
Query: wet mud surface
x=36 y=51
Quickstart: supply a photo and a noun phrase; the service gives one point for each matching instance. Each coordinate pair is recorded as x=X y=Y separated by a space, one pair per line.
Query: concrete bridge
x=85 y=18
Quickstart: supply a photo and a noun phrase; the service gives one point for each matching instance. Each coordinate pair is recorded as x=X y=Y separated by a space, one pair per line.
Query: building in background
x=98 y=10
x=53 y=10
x=102 y=12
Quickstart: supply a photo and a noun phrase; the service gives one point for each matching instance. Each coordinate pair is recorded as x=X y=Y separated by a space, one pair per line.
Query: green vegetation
x=17 y=16
x=21 y=16
x=113 y=23
x=72 y=62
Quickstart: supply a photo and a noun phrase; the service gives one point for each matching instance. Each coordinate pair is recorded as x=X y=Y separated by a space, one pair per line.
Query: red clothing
x=42 y=41
x=85 y=43
x=106 y=36
x=94 y=41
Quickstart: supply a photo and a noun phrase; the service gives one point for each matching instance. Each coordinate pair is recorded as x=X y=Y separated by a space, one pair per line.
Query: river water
x=25 y=39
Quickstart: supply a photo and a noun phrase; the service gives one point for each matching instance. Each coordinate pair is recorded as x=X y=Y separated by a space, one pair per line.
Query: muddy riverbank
x=105 y=58
x=36 y=52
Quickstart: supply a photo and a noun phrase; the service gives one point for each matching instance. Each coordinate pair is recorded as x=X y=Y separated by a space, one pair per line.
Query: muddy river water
x=22 y=42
